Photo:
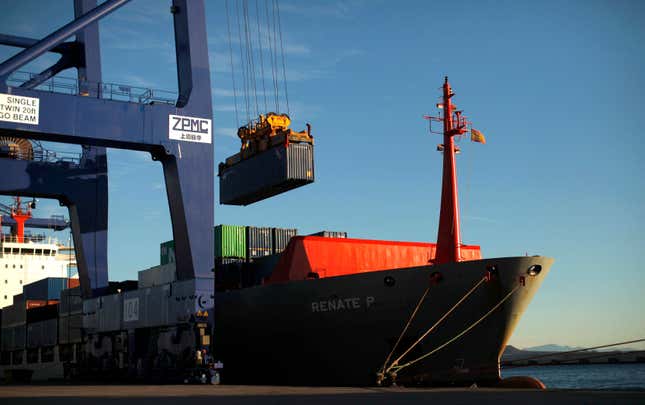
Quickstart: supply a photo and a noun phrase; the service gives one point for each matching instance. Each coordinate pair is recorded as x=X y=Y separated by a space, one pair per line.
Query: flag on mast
x=477 y=136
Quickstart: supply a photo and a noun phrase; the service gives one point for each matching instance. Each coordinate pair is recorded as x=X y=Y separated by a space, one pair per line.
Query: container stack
x=70 y=316
x=167 y=252
x=230 y=242
x=281 y=238
x=230 y=255
x=244 y=256
x=14 y=329
x=259 y=242
x=47 y=289
x=42 y=331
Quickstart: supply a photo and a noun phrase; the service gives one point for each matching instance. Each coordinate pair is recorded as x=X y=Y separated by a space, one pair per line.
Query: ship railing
x=102 y=90
x=29 y=238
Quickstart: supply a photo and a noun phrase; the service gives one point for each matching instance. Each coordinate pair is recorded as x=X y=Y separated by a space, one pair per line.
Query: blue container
x=45 y=289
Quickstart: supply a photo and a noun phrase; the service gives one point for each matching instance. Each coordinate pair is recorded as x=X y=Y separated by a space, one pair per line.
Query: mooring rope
x=433 y=327
x=407 y=325
x=477 y=322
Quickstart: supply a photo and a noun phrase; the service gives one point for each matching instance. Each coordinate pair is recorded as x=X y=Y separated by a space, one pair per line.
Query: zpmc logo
x=191 y=129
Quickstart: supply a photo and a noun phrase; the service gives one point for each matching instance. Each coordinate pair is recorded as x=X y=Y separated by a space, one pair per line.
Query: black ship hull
x=339 y=330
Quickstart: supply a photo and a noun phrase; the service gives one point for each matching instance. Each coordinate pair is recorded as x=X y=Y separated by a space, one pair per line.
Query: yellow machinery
x=267 y=131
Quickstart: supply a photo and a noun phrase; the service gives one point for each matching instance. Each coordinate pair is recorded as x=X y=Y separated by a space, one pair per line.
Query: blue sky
x=557 y=87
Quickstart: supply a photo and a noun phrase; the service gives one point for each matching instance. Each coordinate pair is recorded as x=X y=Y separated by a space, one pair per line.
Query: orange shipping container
x=330 y=257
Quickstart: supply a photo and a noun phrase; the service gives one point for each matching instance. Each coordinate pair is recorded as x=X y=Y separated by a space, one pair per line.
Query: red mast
x=449 y=236
x=20 y=217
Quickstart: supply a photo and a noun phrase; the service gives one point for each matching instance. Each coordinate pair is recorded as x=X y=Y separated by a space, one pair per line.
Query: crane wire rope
x=249 y=51
x=261 y=51
x=230 y=51
x=272 y=33
x=243 y=63
x=274 y=64
x=284 y=66
x=477 y=322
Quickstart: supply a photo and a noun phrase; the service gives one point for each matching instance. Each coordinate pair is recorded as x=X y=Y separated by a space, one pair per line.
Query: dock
x=227 y=394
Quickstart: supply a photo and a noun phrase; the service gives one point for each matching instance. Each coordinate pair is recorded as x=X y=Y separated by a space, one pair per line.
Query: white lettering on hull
x=341 y=304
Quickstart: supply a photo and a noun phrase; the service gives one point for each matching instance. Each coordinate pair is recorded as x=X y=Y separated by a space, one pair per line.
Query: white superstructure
x=29 y=261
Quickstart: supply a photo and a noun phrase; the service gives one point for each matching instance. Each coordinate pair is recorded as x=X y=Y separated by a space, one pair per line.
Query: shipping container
x=228 y=273
x=42 y=333
x=262 y=268
x=259 y=242
x=42 y=313
x=167 y=252
x=30 y=304
x=274 y=171
x=73 y=282
x=158 y=275
x=46 y=289
x=330 y=234
x=230 y=241
x=70 y=301
x=70 y=329
x=108 y=312
x=90 y=318
x=281 y=238
x=14 y=338
x=14 y=315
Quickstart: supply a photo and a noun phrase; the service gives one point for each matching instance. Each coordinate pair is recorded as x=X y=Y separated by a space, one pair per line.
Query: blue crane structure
x=177 y=134
x=53 y=223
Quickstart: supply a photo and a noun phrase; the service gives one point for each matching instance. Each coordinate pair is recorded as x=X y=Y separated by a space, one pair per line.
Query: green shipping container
x=230 y=241
x=167 y=252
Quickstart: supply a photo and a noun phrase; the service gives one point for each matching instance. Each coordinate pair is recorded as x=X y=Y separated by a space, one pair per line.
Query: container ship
x=321 y=309
x=338 y=311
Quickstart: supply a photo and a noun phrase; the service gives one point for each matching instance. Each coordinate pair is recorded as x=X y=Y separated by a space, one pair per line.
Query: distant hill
x=551 y=348
x=511 y=350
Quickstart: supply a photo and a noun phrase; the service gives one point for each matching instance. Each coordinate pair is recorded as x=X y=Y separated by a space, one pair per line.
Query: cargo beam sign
x=23 y=110
x=191 y=129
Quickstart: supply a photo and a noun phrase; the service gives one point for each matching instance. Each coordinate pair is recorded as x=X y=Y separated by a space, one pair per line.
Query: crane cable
x=249 y=69
x=272 y=40
x=244 y=64
x=249 y=52
x=284 y=66
x=261 y=51
x=230 y=51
